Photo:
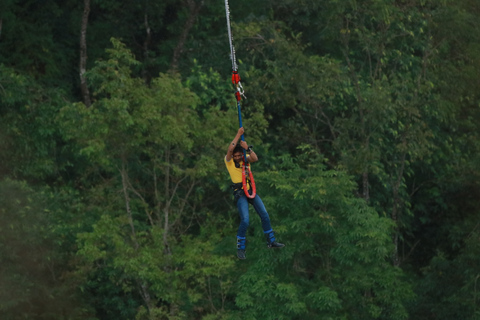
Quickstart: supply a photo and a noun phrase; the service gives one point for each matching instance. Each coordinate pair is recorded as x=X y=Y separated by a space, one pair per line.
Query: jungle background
x=115 y=117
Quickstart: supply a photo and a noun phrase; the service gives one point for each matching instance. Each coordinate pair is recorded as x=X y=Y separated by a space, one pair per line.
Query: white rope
x=230 y=38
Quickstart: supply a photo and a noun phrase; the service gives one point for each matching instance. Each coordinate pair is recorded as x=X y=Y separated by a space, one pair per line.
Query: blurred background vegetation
x=115 y=117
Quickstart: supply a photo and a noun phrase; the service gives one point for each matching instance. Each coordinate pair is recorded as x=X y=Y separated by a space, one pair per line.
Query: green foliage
x=336 y=249
x=209 y=87
x=370 y=159
x=127 y=114
x=27 y=131
x=135 y=135
x=34 y=257
x=459 y=301
x=37 y=40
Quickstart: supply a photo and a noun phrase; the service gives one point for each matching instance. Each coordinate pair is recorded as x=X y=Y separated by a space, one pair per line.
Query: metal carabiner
x=240 y=90
x=238 y=85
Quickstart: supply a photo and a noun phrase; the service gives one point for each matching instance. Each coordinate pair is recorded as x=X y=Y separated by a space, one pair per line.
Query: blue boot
x=241 y=246
x=271 y=242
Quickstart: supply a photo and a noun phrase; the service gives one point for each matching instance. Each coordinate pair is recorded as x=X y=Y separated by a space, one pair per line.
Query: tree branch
x=83 y=54
x=194 y=9
x=123 y=173
x=146 y=45
x=143 y=200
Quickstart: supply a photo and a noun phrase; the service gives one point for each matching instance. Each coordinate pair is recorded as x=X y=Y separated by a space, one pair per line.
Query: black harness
x=238 y=193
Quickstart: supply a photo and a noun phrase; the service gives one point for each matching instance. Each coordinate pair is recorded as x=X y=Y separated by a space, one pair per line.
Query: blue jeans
x=242 y=206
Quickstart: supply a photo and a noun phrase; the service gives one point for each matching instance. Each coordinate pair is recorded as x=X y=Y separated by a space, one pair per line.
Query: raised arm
x=233 y=144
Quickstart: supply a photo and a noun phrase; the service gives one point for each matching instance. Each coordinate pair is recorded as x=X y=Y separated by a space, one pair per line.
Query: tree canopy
x=115 y=118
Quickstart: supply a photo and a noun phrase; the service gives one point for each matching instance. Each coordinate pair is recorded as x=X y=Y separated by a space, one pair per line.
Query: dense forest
x=115 y=117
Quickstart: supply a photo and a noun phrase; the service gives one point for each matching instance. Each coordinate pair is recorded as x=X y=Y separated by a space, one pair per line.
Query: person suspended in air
x=234 y=162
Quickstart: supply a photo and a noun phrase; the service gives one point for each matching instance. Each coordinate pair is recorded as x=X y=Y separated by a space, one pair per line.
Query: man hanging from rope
x=236 y=152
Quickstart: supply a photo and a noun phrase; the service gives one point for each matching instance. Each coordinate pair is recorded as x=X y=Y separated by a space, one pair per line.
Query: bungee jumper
x=238 y=159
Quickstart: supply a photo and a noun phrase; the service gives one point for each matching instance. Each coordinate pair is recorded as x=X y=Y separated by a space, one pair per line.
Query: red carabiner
x=235 y=78
x=238 y=86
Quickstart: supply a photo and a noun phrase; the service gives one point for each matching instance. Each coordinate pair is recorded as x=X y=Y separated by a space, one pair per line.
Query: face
x=237 y=156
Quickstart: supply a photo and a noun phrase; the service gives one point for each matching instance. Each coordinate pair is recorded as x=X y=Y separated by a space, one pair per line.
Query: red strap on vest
x=246 y=167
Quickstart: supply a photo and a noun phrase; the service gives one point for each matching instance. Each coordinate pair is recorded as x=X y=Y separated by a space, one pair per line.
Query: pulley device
x=247 y=176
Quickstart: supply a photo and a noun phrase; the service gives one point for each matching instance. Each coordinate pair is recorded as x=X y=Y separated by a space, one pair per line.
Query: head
x=238 y=154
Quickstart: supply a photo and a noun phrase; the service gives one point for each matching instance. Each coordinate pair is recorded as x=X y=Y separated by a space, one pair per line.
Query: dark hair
x=238 y=148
